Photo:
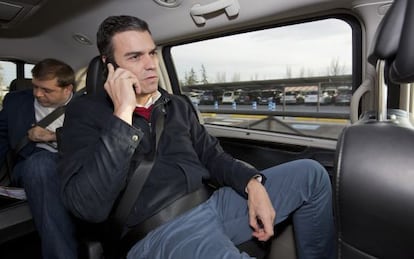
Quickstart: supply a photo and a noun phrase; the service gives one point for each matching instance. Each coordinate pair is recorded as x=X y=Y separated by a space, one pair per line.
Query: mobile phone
x=107 y=61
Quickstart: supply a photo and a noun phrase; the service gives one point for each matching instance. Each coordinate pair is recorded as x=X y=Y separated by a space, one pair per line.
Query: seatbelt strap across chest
x=136 y=182
x=51 y=117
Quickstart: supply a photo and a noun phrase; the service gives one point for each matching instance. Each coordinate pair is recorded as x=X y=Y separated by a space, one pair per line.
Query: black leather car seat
x=374 y=170
x=15 y=216
x=95 y=76
x=20 y=84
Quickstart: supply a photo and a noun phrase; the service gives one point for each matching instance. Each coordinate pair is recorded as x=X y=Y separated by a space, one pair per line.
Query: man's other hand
x=261 y=212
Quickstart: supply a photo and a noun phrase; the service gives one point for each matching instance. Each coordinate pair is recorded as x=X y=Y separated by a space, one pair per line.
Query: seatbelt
x=137 y=180
x=178 y=207
x=51 y=117
x=135 y=183
x=11 y=155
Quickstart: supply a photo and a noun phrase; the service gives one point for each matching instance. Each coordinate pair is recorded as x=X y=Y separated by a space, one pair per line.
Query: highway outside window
x=295 y=79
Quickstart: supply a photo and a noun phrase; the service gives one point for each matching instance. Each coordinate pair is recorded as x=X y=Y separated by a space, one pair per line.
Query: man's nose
x=150 y=61
x=38 y=93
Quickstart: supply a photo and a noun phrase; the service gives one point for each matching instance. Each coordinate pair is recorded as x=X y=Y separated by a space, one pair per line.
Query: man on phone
x=108 y=136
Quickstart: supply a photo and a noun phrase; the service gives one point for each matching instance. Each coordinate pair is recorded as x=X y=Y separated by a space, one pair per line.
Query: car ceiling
x=44 y=28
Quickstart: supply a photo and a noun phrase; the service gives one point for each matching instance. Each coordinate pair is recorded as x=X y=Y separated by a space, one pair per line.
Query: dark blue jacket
x=16 y=118
x=99 y=151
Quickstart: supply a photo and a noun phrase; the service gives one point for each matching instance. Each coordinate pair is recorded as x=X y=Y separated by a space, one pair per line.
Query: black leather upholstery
x=374 y=191
x=388 y=34
x=402 y=69
x=374 y=169
x=20 y=84
x=394 y=42
x=95 y=76
x=15 y=216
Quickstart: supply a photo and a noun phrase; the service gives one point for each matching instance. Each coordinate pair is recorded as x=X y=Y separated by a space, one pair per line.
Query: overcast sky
x=266 y=54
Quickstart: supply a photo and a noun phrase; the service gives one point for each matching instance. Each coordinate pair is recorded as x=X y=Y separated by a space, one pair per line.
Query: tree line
x=193 y=78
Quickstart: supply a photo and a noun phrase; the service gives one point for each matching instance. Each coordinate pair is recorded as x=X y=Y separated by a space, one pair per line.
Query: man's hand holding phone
x=122 y=87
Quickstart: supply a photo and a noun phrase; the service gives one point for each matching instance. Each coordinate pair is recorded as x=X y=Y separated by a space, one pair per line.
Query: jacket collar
x=164 y=99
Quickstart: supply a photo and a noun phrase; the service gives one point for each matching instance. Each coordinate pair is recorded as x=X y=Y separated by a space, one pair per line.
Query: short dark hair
x=50 y=68
x=113 y=25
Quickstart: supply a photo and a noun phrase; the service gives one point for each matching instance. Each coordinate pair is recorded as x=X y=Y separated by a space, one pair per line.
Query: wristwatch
x=258 y=177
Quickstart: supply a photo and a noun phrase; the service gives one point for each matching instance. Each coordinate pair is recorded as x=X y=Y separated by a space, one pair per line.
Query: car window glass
x=28 y=70
x=292 y=78
x=8 y=72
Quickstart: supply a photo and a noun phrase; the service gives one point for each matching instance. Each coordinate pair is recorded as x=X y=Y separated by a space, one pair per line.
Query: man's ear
x=70 y=88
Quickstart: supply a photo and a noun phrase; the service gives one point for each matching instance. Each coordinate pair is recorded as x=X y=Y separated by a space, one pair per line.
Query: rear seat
x=15 y=219
x=20 y=84
x=15 y=216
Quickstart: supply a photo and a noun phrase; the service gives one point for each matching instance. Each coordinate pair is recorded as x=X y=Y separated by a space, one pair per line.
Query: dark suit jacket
x=99 y=151
x=16 y=118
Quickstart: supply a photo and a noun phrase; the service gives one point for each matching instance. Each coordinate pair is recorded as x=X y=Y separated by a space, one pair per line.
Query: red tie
x=144 y=112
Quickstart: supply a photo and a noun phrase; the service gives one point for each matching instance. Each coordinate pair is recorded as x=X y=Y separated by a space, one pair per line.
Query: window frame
x=356 y=76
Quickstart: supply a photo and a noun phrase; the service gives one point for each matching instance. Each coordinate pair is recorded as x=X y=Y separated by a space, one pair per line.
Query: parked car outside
x=289 y=98
x=300 y=98
x=314 y=97
x=230 y=96
x=207 y=97
x=245 y=98
x=267 y=96
x=194 y=97
x=333 y=92
x=344 y=96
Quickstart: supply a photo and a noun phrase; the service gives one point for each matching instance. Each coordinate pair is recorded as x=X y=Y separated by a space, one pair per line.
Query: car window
x=9 y=71
x=28 y=70
x=274 y=73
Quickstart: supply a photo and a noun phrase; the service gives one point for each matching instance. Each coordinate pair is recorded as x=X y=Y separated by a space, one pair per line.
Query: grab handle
x=231 y=7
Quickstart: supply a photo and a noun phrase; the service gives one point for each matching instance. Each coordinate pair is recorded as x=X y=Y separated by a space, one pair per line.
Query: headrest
x=20 y=84
x=402 y=69
x=393 y=42
x=387 y=37
x=95 y=76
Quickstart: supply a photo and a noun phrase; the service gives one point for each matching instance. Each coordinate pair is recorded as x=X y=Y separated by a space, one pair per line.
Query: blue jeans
x=38 y=176
x=213 y=229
